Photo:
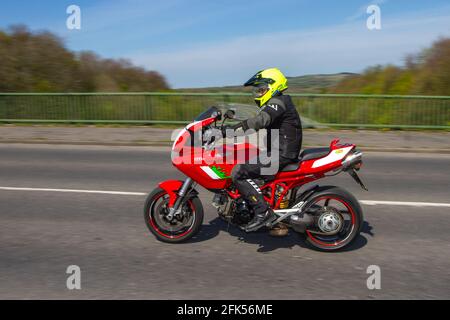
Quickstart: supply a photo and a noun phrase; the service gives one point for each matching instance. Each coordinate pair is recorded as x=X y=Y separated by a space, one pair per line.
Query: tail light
x=358 y=165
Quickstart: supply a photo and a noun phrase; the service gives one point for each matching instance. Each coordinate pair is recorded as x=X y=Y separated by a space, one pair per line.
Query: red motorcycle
x=329 y=217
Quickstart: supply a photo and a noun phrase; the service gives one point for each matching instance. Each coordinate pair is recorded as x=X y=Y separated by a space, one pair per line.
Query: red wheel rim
x=159 y=231
x=353 y=218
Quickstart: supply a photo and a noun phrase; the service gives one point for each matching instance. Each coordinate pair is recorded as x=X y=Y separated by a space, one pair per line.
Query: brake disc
x=330 y=221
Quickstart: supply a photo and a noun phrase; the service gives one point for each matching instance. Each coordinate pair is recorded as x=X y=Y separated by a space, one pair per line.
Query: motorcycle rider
x=277 y=112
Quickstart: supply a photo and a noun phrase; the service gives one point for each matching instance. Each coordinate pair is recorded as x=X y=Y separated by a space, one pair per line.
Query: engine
x=234 y=211
x=242 y=213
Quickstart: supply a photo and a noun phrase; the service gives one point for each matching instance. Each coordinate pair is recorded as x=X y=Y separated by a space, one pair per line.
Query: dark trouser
x=242 y=176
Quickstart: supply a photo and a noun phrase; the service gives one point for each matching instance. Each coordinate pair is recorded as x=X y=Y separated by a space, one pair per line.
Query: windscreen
x=207 y=113
x=242 y=111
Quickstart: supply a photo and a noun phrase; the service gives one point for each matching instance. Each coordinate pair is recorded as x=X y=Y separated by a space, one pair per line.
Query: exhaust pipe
x=352 y=160
x=301 y=222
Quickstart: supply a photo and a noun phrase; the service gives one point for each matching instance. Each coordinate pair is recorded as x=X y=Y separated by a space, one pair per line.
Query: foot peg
x=267 y=222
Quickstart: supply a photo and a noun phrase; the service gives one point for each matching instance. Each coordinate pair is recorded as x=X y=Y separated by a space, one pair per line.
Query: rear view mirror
x=229 y=114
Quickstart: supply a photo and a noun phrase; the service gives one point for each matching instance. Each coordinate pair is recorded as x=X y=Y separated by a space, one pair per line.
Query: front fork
x=182 y=192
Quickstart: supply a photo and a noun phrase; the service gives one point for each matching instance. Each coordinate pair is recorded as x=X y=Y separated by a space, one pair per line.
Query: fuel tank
x=212 y=168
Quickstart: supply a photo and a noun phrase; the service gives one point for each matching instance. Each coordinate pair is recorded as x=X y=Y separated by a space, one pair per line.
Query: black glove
x=233 y=127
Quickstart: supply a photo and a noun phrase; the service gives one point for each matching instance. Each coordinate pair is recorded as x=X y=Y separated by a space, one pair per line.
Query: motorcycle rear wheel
x=343 y=204
x=176 y=231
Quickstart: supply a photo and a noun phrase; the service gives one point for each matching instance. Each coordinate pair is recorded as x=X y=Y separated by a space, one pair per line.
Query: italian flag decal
x=215 y=173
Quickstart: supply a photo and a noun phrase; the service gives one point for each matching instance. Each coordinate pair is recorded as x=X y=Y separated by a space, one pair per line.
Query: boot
x=260 y=219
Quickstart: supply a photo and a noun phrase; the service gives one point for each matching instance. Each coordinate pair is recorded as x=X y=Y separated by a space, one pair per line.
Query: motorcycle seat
x=306 y=154
x=314 y=153
x=291 y=166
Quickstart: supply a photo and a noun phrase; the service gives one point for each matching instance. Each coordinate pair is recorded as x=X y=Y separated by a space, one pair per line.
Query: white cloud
x=348 y=47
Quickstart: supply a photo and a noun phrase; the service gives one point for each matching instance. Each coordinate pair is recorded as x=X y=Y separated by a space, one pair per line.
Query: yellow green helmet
x=267 y=83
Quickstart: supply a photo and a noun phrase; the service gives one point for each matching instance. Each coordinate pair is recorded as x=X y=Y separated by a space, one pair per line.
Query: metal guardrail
x=329 y=110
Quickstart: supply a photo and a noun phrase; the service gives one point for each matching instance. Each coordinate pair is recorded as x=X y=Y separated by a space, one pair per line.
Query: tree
x=39 y=62
x=425 y=73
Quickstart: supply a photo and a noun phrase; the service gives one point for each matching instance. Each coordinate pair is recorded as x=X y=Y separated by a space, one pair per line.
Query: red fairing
x=201 y=164
x=197 y=163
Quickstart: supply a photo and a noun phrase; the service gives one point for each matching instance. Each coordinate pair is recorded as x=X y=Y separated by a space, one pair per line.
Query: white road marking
x=403 y=203
x=366 y=202
x=75 y=191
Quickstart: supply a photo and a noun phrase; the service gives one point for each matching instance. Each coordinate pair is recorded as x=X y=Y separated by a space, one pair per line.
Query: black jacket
x=280 y=113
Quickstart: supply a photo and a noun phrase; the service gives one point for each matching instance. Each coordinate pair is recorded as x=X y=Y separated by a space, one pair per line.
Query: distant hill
x=315 y=83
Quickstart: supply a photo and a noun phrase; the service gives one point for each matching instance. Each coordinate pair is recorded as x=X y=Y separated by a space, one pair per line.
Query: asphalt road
x=42 y=233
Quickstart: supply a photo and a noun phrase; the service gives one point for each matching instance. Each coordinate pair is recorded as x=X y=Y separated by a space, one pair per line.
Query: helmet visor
x=260 y=89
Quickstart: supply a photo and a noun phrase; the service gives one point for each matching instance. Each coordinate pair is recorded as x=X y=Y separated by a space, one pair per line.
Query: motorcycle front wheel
x=182 y=227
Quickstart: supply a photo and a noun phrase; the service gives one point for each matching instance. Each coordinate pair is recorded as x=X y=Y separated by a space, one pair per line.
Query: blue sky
x=197 y=43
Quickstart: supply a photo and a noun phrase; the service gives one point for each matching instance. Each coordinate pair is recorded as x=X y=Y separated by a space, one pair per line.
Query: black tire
x=152 y=223
x=354 y=225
